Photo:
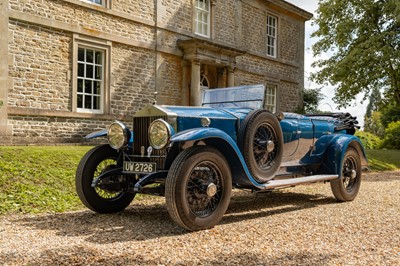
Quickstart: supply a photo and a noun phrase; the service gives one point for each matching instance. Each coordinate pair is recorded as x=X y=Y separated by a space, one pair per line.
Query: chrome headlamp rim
x=118 y=135
x=168 y=131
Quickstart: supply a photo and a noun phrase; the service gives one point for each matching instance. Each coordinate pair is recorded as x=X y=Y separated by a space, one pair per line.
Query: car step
x=297 y=181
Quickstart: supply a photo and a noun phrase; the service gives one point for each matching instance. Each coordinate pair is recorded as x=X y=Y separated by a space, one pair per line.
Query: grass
x=383 y=160
x=39 y=179
x=42 y=179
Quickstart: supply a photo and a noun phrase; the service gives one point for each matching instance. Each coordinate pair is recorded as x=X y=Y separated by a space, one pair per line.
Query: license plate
x=139 y=167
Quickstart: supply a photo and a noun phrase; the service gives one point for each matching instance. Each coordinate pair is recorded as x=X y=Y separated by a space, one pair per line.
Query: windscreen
x=251 y=96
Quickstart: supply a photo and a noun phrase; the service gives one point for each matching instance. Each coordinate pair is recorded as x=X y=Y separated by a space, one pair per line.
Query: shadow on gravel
x=142 y=222
x=271 y=203
x=81 y=255
x=138 y=222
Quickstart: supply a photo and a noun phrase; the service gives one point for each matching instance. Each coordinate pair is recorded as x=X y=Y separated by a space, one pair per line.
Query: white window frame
x=272 y=35
x=270 y=97
x=95 y=45
x=103 y=3
x=202 y=16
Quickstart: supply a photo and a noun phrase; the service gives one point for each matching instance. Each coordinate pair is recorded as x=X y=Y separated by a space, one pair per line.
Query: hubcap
x=353 y=173
x=270 y=146
x=264 y=149
x=211 y=190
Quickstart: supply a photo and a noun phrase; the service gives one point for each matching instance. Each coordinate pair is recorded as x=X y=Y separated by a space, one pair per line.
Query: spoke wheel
x=198 y=188
x=104 y=198
x=204 y=189
x=102 y=190
x=261 y=142
x=346 y=188
x=264 y=141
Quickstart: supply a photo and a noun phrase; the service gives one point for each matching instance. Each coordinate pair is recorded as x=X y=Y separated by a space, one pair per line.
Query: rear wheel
x=105 y=197
x=346 y=188
x=198 y=188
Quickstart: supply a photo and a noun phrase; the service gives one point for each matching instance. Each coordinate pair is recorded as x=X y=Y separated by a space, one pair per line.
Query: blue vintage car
x=194 y=156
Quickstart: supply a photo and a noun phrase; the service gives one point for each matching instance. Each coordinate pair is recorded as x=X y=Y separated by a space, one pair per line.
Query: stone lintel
x=209 y=52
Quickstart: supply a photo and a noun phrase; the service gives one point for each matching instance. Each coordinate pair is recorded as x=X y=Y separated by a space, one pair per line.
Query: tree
x=390 y=112
x=311 y=99
x=363 y=37
x=372 y=118
x=375 y=99
x=374 y=125
x=392 y=136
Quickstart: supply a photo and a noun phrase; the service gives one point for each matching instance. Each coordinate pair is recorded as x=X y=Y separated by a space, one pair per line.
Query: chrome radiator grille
x=140 y=139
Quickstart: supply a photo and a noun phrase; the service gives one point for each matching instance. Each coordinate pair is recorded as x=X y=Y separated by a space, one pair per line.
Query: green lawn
x=383 y=160
x=39 y=179
x=42 y=179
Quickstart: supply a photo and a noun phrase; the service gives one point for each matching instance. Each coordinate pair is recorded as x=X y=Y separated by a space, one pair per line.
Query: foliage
x=369 y=140
x=312 y=98
x=383 y=160
x=39 y=179
x=374 y=125
x=392 y=136
x=363 y=38
x=375 y=100
x=390 y=113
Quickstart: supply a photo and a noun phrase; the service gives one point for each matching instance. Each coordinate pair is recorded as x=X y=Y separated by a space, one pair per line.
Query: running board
x=297 y=181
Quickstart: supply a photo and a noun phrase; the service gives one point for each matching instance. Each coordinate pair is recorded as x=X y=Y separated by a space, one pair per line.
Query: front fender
x=97 y=134
x=201 y=133
x=241 y=176
x=335 y=150
x=104 y=133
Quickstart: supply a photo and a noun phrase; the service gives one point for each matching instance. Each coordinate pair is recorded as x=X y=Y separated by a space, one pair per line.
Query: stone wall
x=290 y=30
x=227 y=22
x=142 y=9
x=289 y=96
x=41 y=63
x=133 y=79
x=143 y=58
x=176 y=15
x=90 y=19
x=254 y=29
x=169 y=81
x=47 y=130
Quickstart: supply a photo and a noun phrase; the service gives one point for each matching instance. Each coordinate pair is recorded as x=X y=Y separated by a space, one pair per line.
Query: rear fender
x=241 y=176
x=335 y=150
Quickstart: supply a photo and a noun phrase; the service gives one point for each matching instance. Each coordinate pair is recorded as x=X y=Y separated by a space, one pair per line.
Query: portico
x=216 y=62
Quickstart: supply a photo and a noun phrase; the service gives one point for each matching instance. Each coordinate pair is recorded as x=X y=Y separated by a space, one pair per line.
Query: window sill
x=63 y=114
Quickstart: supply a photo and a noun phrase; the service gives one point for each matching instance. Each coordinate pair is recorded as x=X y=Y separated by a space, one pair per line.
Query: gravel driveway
x=296 y=226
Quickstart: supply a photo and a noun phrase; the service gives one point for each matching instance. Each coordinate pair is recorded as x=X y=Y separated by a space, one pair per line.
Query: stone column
x=195 y=95
x=231 y=77
x=3 y=66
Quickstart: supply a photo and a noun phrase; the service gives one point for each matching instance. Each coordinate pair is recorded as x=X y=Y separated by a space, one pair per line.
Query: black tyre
x=346 y=188
x=102 y=200
x=198 y=188
x=261 y=143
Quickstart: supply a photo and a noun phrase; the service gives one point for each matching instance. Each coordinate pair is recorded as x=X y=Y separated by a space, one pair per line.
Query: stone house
x=69 y=67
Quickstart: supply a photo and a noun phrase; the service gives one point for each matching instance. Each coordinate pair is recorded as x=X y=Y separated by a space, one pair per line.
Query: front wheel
x=346 y=188
x=198 y=188
x=104 y=198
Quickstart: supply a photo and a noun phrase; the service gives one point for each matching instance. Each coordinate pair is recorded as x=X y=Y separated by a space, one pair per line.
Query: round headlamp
x=118 y=135
x=160 y=133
